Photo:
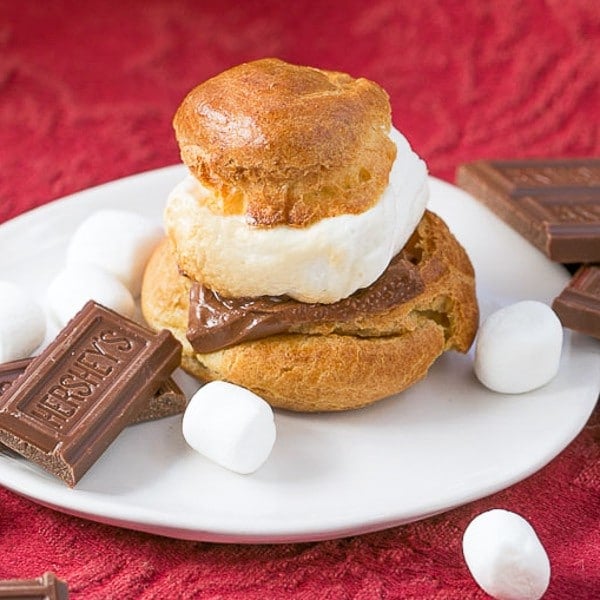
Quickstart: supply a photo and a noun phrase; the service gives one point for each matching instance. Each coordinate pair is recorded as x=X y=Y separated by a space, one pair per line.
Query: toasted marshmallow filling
x=324 y=262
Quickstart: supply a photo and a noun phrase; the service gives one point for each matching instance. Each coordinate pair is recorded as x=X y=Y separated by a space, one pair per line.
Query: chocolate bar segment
x=10 y=371
x=46 y=587
x=76 y=397
x=168 y=400
x=578 y=305
x=555 y=204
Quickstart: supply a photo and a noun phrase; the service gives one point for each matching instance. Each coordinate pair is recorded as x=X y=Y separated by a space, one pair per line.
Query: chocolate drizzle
x=217 y=322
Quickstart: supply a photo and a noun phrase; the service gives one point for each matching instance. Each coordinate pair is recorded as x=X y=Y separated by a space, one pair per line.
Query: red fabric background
x=87 y=91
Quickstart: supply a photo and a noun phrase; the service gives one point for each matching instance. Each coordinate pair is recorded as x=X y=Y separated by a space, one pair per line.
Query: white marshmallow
x=323 y=262
x=505 y=556
x=22 y=323
x=518 y=347
x=117 y=241
x=230 y=425
x=78 y=283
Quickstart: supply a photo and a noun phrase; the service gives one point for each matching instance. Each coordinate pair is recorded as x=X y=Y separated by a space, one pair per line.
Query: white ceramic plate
x=443 y=443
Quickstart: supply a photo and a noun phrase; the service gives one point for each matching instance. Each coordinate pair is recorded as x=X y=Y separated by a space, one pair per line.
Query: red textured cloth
x=87 y=92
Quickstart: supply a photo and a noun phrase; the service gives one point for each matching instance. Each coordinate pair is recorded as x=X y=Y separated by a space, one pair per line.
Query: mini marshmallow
x=518 y=348
x=76 y=284
x=505 y=556
x=22 y=323
x=230 y=425
x=119 y=242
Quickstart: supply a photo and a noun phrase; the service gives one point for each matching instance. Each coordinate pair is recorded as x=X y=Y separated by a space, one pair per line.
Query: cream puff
x=300 y=260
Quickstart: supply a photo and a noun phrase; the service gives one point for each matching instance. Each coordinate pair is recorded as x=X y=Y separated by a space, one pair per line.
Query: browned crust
x=340 y=365
x=287 y=145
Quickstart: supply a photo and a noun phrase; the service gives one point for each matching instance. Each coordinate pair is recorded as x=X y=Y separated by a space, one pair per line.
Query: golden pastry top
x=285 y=144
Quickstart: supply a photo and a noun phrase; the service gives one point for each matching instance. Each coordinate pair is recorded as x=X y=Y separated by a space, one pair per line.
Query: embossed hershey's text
x=81 y=378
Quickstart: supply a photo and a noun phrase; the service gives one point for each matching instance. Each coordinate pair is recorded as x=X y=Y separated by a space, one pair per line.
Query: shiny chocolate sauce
x=217 y=322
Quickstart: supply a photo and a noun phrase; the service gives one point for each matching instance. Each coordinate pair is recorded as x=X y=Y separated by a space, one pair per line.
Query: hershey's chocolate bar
x=46 y=587
x=555 y=204
x=168 y=400
x=83 y=389
x=578 y=305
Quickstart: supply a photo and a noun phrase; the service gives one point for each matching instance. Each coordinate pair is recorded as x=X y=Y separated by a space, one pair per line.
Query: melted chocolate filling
x=217 y=322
